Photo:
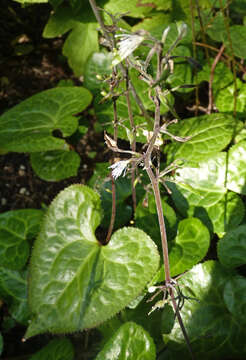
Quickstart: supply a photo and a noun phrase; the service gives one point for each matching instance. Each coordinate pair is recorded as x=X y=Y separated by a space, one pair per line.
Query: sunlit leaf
x=75 y=282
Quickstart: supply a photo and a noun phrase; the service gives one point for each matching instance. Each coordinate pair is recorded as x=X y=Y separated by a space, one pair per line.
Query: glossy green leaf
x=75 y=282
x=79 y=45
x=55 y=165
x=213 y=332
x=13 y=290
x=234 y=298
x=226 y=214
x=29 y=126
x=56 y=349
x=16 y=228
x=224 y=101
x=209 y=134
x=146 y=219
x=236 y=176
x=203 y=185
x=190 y=245
x=130 y=342
x=60 y=21
x=232 y=248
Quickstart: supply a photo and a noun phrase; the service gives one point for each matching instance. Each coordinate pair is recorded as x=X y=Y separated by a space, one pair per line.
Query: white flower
x=119 y=167
x=127 y=45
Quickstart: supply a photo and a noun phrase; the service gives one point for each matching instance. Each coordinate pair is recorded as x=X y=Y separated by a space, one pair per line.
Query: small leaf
x=203 y=185
x=236 y=178
x=16 y=228
x=130 y=342
x=232 y=248
x=55 y=165
x=28 y=126
x=209 y=135
x=81 y=42
x=57 y=349
x=75 y=282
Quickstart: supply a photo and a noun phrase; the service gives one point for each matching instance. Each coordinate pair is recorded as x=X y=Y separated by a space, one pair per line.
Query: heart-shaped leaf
x=130 y=342
x=213 y=331
x=232 y=248
x=57 y=349
x=16 y=227
x=55 y=165
x=28 y=126
x=209 y=134
x=75 y=281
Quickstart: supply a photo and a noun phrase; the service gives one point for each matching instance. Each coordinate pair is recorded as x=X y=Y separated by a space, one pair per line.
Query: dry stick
x=210 y=84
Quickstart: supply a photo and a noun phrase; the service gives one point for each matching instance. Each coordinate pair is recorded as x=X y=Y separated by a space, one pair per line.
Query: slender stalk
x=113 y=209
x=133 y=143
x=210 y=84
x=194 y=53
